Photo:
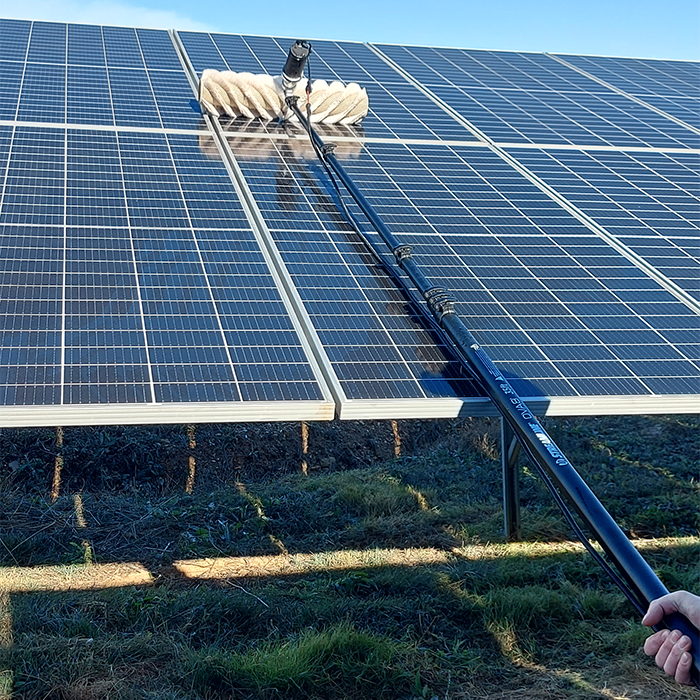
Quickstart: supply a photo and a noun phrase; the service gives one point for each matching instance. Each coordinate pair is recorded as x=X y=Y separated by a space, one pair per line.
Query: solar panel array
x=158 y=266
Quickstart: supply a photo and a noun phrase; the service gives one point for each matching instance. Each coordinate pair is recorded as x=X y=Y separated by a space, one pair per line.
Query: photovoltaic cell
x=9 y=88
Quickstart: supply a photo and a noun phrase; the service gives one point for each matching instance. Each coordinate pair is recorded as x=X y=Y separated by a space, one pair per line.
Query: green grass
x=484 y=619
x=340 y=658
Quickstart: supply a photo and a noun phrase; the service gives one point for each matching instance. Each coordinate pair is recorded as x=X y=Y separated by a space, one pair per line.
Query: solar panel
x=649 y=201
x=514 y=97
x=156 y=266
x=80 y=74
x=133 y=280
x=642 y=77
x=534 y=284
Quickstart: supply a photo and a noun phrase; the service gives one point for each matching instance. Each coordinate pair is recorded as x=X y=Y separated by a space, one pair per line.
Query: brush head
x=262 y=96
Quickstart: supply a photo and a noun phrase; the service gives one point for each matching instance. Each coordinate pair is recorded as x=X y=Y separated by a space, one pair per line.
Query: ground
x=342 y=560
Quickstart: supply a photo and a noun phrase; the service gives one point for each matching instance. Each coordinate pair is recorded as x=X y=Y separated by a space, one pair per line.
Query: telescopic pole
x=544 y=453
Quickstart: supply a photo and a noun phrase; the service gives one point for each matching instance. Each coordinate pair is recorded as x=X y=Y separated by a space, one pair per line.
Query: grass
x=370 y=577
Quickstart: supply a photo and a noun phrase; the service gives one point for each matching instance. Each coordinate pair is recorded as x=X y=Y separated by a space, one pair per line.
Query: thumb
x=654 y=614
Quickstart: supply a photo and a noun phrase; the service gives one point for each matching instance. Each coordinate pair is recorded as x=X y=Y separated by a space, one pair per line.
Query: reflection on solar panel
x=159 y=266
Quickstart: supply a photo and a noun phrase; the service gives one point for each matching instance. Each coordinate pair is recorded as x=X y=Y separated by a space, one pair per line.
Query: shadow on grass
x=482 y=620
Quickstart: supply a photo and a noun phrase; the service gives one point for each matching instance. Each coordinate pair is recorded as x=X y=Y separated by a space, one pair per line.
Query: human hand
x=671 y=648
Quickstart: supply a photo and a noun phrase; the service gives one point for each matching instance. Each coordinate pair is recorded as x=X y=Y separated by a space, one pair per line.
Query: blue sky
x=645 y=28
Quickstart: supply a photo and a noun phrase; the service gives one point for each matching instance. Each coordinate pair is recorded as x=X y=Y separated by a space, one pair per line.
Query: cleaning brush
x=260 y=95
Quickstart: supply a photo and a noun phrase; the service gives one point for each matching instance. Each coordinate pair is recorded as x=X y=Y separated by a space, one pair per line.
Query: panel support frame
x=510 y=454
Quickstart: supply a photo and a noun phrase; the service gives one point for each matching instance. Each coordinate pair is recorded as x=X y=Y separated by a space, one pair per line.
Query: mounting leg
x=510 y=450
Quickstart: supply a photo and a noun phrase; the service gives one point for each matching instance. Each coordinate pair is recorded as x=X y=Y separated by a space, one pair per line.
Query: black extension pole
x=636 y=572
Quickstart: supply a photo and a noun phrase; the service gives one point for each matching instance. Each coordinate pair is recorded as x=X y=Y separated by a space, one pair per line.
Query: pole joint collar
x=440 y=302
x=402 y=252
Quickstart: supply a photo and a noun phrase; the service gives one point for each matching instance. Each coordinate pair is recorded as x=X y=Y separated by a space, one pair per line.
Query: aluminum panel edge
x=320 y=364
x=567 y=406
x=161 y=414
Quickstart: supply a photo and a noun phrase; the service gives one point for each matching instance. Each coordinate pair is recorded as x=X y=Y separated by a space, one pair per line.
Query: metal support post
x=510 y=451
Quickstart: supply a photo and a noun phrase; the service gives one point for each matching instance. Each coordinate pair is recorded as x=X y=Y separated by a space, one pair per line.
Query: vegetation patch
x=243 y=567
x=337 y=662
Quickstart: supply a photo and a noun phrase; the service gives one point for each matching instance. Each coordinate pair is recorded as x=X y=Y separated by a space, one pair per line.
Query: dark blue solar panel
x=5 y=140
x=174 y=98
x=47 y=43
x=95 y=189
x=85 y=45
x=34 y=186
x=105 y=357
x=14 y=39
x=132 y=99
x=518 y=263
x=129 y=274
x=643 y=77
x=100 y=79
x=204 y=53
x=684 y=108
x=649 y=201
x=43 y=93
x=9 y=88
x=499 y=70
x=158 y=50
x=88 y=99
x=122 y=47
x=30 y=332
x=534 y=98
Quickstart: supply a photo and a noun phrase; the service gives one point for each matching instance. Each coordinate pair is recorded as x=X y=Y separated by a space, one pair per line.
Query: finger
x=666 y=648
x=653 y=643
x=674 y=656
x=654 y=614
x=678 y=601
x=683 y=669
